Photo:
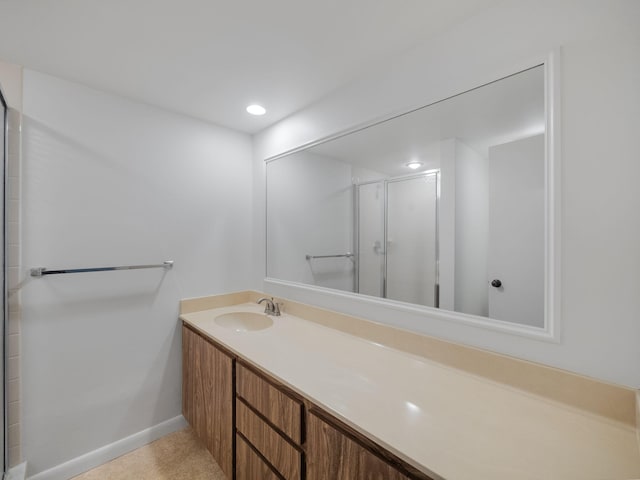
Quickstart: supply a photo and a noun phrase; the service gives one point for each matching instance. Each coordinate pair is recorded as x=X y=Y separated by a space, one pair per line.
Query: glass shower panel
x=412 y=240
x=370 y=238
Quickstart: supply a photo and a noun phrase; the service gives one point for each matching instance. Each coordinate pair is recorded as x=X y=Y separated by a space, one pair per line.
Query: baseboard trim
x=93 y=459
x=18 y=472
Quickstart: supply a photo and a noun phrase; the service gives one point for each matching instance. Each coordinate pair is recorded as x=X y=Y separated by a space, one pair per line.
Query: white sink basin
x=244 y=321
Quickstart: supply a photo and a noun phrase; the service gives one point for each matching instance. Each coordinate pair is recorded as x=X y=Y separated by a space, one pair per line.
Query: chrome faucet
x=271 y=308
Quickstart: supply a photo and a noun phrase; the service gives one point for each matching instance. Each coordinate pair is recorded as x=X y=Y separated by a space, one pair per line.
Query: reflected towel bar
x=42 y=271
x=343 y=255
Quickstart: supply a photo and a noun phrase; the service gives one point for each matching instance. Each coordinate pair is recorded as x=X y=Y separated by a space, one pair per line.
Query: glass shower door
x=397 y=238
x=412 y=246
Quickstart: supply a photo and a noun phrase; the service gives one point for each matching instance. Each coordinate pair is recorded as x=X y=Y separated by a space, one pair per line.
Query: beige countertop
x=449 y=423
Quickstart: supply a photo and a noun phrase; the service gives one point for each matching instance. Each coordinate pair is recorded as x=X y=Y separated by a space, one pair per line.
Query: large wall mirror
x=445 y=207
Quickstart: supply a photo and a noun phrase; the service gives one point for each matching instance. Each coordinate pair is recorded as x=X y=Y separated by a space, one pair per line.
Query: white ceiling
x=210 y=58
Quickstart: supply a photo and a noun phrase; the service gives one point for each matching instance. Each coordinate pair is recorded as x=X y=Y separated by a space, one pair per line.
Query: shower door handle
x=377 y=248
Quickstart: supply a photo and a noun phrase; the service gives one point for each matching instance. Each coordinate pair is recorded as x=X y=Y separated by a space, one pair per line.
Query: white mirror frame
x=552 y=308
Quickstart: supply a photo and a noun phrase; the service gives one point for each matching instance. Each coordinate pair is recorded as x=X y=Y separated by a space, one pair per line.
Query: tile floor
x=178 y=456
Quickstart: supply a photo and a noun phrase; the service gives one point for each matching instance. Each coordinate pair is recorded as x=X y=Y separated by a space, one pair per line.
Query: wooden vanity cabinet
x=258 y=429
x=207 y=396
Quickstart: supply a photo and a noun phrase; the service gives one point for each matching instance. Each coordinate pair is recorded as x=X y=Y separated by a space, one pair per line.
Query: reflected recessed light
x=256 y=109
x=414 y=165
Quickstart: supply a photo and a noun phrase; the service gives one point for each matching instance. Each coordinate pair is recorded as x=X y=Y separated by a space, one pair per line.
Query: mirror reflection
x=441 y=207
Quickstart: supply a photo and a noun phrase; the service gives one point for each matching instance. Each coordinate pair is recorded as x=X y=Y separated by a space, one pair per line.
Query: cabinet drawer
x=279 y=408
x=249 y=466
x=278 y=451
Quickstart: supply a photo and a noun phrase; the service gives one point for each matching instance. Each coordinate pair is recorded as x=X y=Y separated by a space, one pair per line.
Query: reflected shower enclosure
x=396 y=228
x=383 y=235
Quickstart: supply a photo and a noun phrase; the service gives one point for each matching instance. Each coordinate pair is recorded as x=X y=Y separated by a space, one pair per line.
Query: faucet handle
x=269 y=307
x=276 y=308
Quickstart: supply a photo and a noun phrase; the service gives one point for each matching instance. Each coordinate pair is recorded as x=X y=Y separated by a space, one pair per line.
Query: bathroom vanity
x=277 y=432
x=318 y=395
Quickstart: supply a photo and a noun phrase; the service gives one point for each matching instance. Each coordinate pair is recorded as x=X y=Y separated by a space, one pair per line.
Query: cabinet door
x=331 y=455
x=208 y=396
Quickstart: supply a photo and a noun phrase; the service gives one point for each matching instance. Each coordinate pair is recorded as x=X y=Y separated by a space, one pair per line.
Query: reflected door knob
x=496 y=283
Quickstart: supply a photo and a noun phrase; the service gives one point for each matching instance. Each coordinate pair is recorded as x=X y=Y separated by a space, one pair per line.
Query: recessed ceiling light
x=414 y=165
x=256 y=109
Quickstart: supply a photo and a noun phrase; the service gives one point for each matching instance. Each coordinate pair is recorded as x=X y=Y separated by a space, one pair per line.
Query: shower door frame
x=385 y=216
x=5 y=314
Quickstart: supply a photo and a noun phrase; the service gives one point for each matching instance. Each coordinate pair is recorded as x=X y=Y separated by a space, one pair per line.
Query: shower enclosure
x=396 y=235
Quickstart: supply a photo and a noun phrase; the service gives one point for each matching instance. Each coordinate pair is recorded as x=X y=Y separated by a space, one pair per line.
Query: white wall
x=600 y=43
x=11 y=84
x=310 y=212
x=447 y=224
x=111 y=182
x=472 y=231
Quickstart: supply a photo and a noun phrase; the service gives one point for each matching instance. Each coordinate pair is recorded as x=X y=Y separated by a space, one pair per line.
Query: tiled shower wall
x=13 y=284
x=11 y=83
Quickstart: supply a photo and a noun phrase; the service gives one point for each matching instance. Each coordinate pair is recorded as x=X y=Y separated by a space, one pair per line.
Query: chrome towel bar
x=42 y=271
x=342 y=255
